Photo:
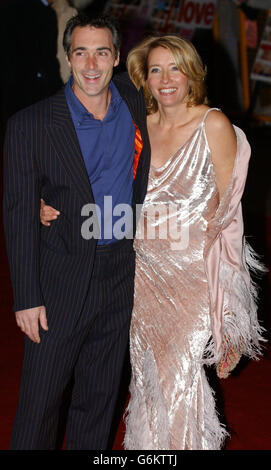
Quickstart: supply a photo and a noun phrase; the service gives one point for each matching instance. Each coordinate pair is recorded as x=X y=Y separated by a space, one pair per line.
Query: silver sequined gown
x=172 y=404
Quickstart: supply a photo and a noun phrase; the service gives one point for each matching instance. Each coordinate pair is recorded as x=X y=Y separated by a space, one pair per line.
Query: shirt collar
x=80 y=113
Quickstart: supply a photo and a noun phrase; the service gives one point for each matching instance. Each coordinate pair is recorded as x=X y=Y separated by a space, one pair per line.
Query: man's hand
x=28 y=320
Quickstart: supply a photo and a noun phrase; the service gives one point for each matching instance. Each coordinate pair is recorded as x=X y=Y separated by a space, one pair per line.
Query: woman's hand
x=47 y=213
x=228 y=362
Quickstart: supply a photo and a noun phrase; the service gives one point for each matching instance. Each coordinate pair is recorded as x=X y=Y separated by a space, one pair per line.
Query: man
x=73 y=295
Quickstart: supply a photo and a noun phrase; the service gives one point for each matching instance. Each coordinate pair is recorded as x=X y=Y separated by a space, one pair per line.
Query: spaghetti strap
x=208 y=110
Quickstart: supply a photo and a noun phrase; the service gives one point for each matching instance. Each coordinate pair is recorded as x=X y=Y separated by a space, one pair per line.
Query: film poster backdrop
x=262 y=66
x=141 y=17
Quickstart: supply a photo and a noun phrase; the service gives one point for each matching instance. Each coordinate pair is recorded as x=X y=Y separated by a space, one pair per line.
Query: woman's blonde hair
x=186 y=58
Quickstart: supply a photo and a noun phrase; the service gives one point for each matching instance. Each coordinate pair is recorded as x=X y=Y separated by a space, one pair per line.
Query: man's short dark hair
x=83 y=20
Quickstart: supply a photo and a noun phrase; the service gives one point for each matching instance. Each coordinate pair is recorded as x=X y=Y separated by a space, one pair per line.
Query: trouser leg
x=47 y=369
x=99 y=366
x=93 y=350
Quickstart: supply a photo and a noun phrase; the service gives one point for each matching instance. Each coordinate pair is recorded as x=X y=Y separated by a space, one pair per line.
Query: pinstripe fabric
x=53 y=266
x=93 y=348
x=112 y=295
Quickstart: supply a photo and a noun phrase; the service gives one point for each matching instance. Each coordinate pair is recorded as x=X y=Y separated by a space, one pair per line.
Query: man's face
x=92 y=59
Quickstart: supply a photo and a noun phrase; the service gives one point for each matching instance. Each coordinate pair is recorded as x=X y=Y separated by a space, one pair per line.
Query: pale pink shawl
x=227 y=262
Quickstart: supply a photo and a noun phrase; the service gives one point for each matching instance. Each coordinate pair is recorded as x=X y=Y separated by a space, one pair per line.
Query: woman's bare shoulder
x=220 y=133
x=218 y=122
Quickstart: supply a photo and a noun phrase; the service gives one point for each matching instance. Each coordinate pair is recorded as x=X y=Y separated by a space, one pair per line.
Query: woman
x=194 y=301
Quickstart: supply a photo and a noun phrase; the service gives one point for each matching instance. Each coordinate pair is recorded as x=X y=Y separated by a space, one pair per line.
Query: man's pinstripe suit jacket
x=42 y=158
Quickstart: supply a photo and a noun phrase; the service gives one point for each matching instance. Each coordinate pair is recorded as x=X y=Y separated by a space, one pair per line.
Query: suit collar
x=59 y=109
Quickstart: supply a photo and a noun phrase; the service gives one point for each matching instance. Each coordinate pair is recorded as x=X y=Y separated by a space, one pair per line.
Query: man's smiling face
x=92 y=59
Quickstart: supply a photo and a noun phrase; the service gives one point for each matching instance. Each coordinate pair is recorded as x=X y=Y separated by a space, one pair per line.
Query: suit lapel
x=64 y=139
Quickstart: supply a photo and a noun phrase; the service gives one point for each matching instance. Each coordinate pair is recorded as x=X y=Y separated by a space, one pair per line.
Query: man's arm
x=21 y=198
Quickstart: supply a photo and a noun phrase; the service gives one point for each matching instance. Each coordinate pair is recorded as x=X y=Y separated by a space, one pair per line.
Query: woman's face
x=167 y=84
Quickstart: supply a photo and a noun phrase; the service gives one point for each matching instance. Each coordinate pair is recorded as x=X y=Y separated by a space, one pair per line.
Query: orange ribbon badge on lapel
x=138 y=148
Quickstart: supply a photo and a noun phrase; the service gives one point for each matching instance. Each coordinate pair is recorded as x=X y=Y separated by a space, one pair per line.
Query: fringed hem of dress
x=241 y=329
x=147 y=417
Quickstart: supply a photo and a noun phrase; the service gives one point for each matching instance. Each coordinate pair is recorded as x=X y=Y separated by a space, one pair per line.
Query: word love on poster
x=198 y=13
x=163 y=16
x=186 y=16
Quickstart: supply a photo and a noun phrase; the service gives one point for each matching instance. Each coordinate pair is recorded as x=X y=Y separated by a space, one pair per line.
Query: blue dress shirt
x=107 y=147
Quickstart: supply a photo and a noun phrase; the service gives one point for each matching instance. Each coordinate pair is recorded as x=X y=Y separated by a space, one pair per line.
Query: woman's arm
x=223 y=146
